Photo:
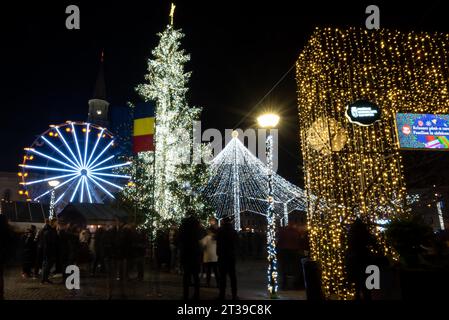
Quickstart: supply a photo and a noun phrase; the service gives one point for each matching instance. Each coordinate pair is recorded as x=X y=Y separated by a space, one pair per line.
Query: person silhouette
x=227 y=239
x=190 y=253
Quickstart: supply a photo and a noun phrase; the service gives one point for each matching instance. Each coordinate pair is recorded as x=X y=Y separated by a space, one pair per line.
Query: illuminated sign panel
x=423 y=131
x=362 y=113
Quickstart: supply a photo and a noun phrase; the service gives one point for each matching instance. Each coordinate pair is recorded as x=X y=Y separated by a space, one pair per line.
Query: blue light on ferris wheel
x=83 y=168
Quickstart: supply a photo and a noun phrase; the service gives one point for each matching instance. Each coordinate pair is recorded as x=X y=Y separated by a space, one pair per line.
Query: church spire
x=100 y=85
x=98 y=106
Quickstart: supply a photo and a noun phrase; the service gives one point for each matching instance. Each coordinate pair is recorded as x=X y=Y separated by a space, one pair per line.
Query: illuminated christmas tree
x=137 y=196
x=174 y=172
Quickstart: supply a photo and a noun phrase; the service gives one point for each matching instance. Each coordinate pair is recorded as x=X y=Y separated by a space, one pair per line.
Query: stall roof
x=31 y=212
x=91 y=212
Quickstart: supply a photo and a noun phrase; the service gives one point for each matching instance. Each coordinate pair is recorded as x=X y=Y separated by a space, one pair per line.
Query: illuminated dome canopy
x=239 y=183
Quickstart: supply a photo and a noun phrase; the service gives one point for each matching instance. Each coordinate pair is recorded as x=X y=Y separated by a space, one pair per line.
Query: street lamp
x=53 y=184
x=270 y=121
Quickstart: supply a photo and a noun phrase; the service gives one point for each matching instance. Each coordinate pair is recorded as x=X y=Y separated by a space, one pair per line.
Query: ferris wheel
x=72 y=162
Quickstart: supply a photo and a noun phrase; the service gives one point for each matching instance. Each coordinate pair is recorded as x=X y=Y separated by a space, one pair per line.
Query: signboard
x=423 y=131
x=363 y=112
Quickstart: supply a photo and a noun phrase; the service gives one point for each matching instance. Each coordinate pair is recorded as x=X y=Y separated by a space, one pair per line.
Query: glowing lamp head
x=235 y=134
x=268 y=120
x=53 y=183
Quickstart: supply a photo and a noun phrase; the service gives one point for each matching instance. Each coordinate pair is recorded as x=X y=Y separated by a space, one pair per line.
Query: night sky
x=238 y=52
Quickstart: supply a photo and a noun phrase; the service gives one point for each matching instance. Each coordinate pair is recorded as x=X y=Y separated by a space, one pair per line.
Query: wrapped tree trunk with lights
x=174 y=148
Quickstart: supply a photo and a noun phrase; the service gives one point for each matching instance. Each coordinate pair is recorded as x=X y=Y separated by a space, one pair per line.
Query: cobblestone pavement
x=251 y=277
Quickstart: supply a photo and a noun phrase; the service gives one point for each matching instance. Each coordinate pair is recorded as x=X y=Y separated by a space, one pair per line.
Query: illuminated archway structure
x=357 y=170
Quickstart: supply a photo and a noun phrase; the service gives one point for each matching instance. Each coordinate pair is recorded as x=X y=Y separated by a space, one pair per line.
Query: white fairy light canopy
x=239 y=183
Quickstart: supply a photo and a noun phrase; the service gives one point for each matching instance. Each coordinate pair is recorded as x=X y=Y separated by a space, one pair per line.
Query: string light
x=361 y=173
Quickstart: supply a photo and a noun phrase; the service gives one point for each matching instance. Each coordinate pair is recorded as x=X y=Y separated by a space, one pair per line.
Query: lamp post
x=270 y=121
x=53 y=184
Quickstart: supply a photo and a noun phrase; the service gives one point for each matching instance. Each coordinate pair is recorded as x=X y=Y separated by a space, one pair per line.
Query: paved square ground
x=251 y=278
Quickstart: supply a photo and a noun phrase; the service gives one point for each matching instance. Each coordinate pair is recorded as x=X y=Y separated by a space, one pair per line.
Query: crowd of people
x=116 y=251
x=196 y=251
x=119 y=253
x=57 y=246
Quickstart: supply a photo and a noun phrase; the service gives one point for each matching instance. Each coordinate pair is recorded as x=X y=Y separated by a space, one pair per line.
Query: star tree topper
x=172 y=13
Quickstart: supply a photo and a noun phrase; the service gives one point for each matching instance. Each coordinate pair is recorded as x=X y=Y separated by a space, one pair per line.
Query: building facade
x=9 y=187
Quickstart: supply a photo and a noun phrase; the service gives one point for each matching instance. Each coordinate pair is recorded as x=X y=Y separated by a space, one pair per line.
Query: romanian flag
x=144 y=126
